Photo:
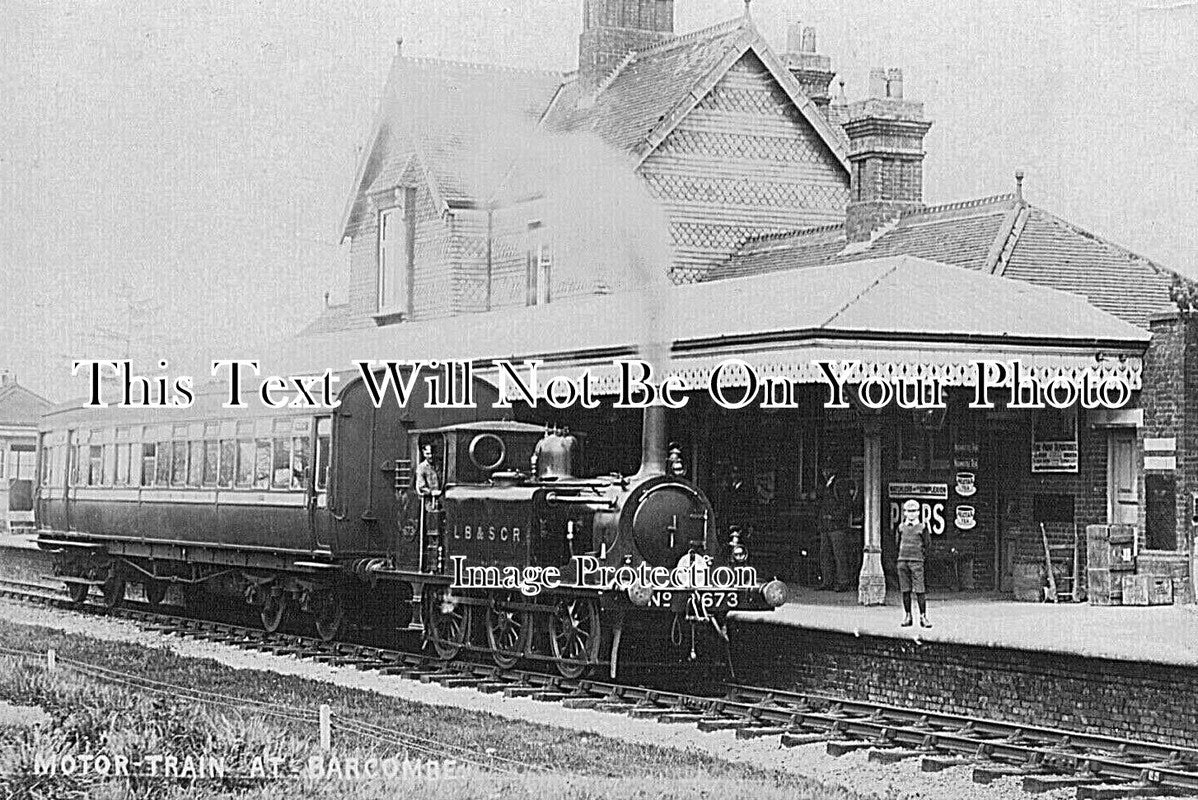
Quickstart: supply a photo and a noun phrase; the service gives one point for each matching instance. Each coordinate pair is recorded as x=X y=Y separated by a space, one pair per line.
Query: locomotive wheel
x=77 y=592
x=508 y=632
x=574 y=635
x=274 y=608
x=155 y=592
x=113 y=590
x=447 y=624
x=329 y=614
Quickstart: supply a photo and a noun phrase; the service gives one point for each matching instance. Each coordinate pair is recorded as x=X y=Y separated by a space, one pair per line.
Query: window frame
x=401 y=210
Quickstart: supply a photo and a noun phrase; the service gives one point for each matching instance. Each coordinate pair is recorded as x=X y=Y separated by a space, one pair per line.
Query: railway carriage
x=318 y=516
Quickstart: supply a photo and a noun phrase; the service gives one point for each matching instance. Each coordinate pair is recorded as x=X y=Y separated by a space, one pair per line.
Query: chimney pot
x=877 y=82
x=399 y=46
x=808 y=42
x=794 y=37
x=894 y=84
x=1019 y=185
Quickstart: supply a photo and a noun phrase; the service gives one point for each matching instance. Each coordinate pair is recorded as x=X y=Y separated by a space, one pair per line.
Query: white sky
x=197 y=155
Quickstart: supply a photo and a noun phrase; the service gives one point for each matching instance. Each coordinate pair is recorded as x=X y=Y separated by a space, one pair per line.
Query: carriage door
x=70 y=479
x=318 y=508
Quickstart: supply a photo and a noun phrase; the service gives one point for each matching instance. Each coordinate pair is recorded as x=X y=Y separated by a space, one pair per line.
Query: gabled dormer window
x=395 y=255
x=539 y=266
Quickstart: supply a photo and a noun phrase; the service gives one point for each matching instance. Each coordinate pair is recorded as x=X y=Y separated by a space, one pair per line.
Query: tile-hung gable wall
x=744 y=161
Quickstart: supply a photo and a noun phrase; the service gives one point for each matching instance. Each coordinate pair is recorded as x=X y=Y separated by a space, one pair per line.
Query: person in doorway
x=914 y=544
x=428 y=480
x=835 y=510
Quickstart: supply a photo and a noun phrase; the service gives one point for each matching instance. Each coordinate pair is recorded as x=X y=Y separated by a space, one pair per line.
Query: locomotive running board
x=48 y=544
x=315 y=565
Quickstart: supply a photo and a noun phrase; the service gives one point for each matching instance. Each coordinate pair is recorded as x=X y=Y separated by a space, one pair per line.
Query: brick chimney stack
x=886 y=155
x=813 y=71
x=611 y=29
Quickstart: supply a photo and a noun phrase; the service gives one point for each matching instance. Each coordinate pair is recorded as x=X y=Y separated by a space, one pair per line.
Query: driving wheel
x=574 y=635
x=508 y=630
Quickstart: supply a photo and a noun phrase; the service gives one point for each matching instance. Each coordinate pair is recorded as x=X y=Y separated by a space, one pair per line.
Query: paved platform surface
x=18 y=541
x=1157 y=634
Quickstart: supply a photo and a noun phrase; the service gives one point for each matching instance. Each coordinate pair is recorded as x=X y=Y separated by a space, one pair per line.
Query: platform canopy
x=884 y=317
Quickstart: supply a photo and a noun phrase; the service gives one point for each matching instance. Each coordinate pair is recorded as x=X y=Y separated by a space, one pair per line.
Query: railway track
x=1045 y=758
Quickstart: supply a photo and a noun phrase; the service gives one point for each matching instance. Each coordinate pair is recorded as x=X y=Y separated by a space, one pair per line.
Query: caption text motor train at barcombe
x=314 y=518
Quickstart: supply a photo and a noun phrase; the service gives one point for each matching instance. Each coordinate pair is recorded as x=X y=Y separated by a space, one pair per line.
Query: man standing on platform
x=835 y=510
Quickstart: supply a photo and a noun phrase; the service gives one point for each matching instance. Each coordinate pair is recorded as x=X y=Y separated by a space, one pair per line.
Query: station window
x=395 y=256
x=538 y=266
x=21 y=461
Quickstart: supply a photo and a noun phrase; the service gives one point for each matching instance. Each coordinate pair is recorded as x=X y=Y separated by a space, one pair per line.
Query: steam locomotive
x=320 y=518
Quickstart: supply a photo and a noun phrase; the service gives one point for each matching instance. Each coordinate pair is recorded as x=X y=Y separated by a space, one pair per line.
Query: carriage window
x=147 y=464
x=163 y=476
x=281 y=466
x=108 y=465
x=324 y=429
x=211 y=462
x=245 y=463
x=123 y=456
x=228 y=460
x=195 y=468
x=94 y=468
x=299 y=461
x=47 y=458
x=178 y=463
x=262 y=464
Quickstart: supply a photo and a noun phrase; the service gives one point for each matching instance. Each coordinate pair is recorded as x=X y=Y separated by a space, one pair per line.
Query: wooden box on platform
x=1168 y=564
x=1028 y=580
x=1147 y=590
x=1104 y=588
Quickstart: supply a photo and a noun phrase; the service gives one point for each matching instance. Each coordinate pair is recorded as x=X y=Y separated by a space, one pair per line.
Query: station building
x=20 y=411
x=798 y=234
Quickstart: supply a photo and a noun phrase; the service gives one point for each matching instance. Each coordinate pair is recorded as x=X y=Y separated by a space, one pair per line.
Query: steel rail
x=752 y=709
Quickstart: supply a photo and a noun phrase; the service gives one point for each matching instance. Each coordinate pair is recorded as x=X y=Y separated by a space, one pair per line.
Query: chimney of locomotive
x=653 y=442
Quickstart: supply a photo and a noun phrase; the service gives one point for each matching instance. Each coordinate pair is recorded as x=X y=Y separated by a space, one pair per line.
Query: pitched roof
x=21 y=407
x=857 y=311
x=462 y=127
x=1000 y=235
x=644 y=99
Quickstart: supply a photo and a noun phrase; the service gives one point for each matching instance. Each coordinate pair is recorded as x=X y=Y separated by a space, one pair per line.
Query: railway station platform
x=1123 y=671
x=1141 y=634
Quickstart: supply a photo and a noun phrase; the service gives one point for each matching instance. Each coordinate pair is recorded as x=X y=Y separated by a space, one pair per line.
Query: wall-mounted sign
x=966 y=518
x=965 y=455
x=1054 y=456
x=918 y=491
x=966 y=484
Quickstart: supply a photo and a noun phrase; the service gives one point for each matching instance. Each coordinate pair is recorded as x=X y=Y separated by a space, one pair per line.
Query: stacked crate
x=1174 y=566
x=1110 y=555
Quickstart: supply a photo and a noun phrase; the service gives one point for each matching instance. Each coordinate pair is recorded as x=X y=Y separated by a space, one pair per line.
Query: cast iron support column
x=871 y=585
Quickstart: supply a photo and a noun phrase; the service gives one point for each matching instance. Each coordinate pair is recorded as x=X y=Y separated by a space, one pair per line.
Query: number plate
x=708 y=600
